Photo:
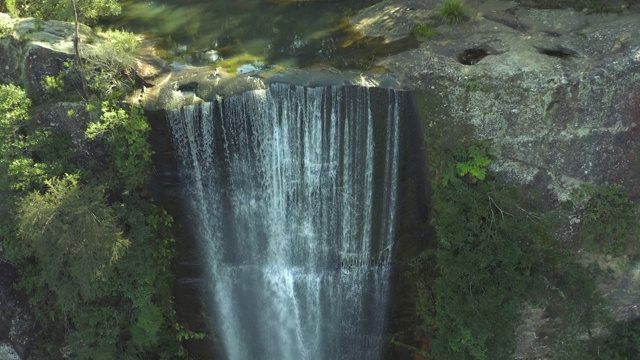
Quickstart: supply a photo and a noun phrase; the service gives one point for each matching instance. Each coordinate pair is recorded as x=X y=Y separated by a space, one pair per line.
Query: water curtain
x=293 y=194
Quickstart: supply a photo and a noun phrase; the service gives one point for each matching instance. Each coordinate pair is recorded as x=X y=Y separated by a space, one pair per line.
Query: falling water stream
x=294 y=193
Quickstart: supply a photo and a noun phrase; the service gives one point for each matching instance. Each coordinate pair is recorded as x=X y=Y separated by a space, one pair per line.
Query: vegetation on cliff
x=93 y=250
x=498 y=253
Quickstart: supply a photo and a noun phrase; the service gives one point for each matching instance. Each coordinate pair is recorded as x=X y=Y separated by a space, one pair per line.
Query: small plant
x=452 y=12
x=473 y=85
x=478 y=158
x=39 y=25
x=53 y=84
x=5 y=28
x=11 y=8
x=470 y=166
x=423 y=30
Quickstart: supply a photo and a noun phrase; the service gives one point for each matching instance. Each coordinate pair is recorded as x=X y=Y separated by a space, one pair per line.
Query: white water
x=294 y=194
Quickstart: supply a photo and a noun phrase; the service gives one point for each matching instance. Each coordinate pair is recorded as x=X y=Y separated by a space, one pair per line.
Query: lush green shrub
x=109 y=64
x=97 y=271
x=72 y=235
x=494 y=254
x=126 y=134
x=28 y=156
x=452 y=12
x=609 y=220
x=497 y=253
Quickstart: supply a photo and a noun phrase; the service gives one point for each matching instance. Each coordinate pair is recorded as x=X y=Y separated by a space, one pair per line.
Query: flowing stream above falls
x=259 y=34
x=293 y=193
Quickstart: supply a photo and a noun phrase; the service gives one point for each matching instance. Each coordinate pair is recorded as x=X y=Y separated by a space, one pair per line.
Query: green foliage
x=184 y=334
x=109 y=64
x=126 y=134
x=14 y=109
x=609 y=220
x=72 y=235
x=97 y=271
x=423 y=30
x=52 y=84
x=9 y=6
x=484 y=261
x=452 y=12
x=6 y=28
x=28 y=157
x=496 y=254
x=474 y=85
x=88 y=10
x=470 y=165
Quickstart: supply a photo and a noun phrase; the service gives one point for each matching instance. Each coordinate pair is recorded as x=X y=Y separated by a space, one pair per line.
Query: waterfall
x=293 y=193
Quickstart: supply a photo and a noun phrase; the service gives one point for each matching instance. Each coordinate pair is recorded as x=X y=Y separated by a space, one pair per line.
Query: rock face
x=17 y=323
x=32 y=50
x=557 y=92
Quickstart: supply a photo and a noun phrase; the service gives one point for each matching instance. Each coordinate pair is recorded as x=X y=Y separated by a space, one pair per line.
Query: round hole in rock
x=472 y=56
x=188 y=87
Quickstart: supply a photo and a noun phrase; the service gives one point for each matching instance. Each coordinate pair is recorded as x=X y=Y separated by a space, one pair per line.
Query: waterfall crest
x=293 y=191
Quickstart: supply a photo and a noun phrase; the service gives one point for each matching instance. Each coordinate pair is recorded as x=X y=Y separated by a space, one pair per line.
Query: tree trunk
x=76 y=42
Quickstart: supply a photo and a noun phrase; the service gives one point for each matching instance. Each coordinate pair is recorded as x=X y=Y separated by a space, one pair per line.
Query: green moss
x=423 y=30
x=475 y=85
x=232 y=64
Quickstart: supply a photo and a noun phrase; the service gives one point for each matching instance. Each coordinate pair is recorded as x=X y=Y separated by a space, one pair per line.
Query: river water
x=282 y=32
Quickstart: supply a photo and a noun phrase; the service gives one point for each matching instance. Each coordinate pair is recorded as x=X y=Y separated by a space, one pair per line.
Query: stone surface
x=8 y=353
x=17 y=322
x=558 y=94
x=35 y=49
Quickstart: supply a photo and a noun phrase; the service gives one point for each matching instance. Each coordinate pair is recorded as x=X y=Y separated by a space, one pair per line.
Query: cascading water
x=293 y=191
